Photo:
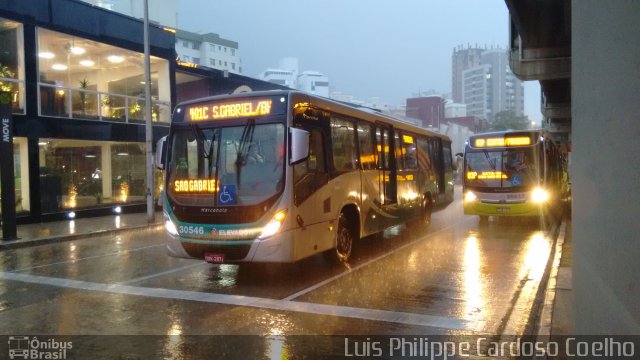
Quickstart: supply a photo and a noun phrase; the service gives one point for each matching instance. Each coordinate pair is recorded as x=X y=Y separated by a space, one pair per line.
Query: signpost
x=9 y=230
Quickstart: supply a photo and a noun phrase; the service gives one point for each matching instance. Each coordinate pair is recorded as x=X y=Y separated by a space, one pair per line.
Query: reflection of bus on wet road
x=18 y=347
x=512 y=173
x=279 y=176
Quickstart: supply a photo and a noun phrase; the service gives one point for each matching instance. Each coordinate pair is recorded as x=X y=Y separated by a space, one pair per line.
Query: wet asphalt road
x=456 y=277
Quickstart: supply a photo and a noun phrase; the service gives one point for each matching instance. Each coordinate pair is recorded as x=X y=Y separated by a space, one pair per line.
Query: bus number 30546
x=193 y=230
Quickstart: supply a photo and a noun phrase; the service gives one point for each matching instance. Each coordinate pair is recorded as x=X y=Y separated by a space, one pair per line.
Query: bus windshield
x=501 y=168
x=230 y=166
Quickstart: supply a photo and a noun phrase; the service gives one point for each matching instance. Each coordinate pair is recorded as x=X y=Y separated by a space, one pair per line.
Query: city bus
x=513 y=173
x=278 y=176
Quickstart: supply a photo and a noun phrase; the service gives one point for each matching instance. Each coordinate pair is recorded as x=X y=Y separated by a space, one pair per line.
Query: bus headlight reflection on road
x=274 y=225
x=469 y=196
x=539 y=195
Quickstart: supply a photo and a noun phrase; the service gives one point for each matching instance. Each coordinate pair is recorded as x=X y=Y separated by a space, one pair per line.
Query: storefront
x=76 y=77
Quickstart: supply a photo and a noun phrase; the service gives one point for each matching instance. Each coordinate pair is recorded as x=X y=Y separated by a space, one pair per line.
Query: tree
x=507 y=120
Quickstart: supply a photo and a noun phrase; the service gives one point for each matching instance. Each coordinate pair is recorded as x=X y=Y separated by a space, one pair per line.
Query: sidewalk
x=557 y=312
x=57 y=231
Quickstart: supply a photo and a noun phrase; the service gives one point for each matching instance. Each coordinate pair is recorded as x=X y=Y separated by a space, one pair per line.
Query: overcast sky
x=386 y=48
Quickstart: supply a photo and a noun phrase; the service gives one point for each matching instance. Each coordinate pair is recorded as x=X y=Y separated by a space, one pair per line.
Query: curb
x=17 y=244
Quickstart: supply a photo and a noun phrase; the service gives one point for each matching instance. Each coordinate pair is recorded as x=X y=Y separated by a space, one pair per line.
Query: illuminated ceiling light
x=115 y=59
x=75 y=50
x=59 y=67
x=42 y=143
x=89 y=156
x=87 y=63
x=46 y=55
x=123 y=154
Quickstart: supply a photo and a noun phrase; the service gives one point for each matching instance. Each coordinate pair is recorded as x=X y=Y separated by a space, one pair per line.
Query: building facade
x=429 y=109
x=313 y=82
x=209 y=50
x=76 y=81
x=491 y=87
x=461 y=60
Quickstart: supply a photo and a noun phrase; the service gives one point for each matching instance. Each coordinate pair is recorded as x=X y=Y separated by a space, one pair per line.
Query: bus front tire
x=344 y=242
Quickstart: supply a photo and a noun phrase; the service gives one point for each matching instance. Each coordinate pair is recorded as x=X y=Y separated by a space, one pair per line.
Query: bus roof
x=352 y=110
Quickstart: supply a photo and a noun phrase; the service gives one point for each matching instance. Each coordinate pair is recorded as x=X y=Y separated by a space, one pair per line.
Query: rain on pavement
x=459 y=276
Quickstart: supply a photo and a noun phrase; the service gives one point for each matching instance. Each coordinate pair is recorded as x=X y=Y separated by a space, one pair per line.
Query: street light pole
x=147 y=114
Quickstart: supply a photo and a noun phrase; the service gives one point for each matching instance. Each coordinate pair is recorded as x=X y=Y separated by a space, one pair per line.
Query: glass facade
x=12 y=63
x=79 y=174
x=84 y=79
x=21 y=174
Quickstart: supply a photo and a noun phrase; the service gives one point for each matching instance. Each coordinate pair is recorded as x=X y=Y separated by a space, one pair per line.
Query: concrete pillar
x=107 y=191
x=23 y=152
x=605 y=75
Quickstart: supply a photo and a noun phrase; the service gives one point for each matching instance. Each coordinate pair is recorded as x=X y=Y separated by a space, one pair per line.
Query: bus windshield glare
x=229 y=166
x=501 y=168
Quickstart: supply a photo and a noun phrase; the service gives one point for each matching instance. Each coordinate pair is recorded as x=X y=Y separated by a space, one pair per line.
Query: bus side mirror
x=299 y=145
x=460 y=154
x=161 y=152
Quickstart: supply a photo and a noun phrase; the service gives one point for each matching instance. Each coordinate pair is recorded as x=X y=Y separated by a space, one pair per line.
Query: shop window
x=84 y=79
x=12 y=63
x=85 y=174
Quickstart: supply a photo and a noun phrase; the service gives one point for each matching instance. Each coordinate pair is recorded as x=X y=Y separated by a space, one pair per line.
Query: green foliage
x=507 y=120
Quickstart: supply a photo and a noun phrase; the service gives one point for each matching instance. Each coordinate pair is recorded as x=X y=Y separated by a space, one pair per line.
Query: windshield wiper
x=491 y=163
x=201 y=138
x=243 y=146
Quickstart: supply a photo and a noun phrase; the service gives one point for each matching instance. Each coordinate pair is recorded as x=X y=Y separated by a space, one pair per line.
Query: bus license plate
x=503 y=210
x=214 y=258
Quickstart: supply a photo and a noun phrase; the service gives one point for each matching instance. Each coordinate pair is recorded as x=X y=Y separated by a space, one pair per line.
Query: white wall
x=605 y=74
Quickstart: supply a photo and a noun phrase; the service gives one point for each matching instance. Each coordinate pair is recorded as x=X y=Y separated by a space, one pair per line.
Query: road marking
x=255 y=302
x=350 y=270
x=88 y=258
x=167 y=272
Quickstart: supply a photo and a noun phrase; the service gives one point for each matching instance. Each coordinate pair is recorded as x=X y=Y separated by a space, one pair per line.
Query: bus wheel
x=427 y=206
x=344 y=242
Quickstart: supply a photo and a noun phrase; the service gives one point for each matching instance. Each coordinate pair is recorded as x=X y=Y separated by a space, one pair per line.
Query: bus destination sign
x=490 y=142
x=220 y=111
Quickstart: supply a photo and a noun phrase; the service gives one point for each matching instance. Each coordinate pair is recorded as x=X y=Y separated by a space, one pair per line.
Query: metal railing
x=16 y=88
x=76 y=103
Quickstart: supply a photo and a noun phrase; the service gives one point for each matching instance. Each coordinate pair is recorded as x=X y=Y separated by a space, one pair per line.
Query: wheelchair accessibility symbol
x=515 y=180
x=228 y=195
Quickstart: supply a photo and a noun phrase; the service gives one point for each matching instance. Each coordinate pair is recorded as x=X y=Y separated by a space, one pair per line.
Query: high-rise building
x=491 y=87
x=313 y=82
x=429 y=109
x=208 y=50
x=462 y=59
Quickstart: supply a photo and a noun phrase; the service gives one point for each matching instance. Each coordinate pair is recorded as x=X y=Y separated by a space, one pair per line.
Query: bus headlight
x=539 y=195
x=469 y=196
x=274 y=225
x=170 y=227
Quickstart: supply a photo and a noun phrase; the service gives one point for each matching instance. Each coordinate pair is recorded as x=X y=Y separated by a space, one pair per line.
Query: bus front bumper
x=528 y=208
x=274 y=249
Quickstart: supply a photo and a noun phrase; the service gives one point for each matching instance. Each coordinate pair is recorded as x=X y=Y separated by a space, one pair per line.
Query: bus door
x=436 y=155
x=386 y=166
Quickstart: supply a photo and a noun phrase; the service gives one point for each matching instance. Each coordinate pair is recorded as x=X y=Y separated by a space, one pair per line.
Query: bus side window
x=424 y=156
x=343 y=145
x=409 y=152
x=367 y=151
x=310 y=175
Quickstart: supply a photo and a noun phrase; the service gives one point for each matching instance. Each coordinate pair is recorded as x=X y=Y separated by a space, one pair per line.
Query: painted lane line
x=87 y=258
x=167 y=272
x=255 y=302
x=350 y=270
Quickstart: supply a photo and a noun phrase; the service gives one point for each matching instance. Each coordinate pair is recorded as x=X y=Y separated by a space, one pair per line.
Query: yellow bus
x=278 y=176
x=512 y=173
